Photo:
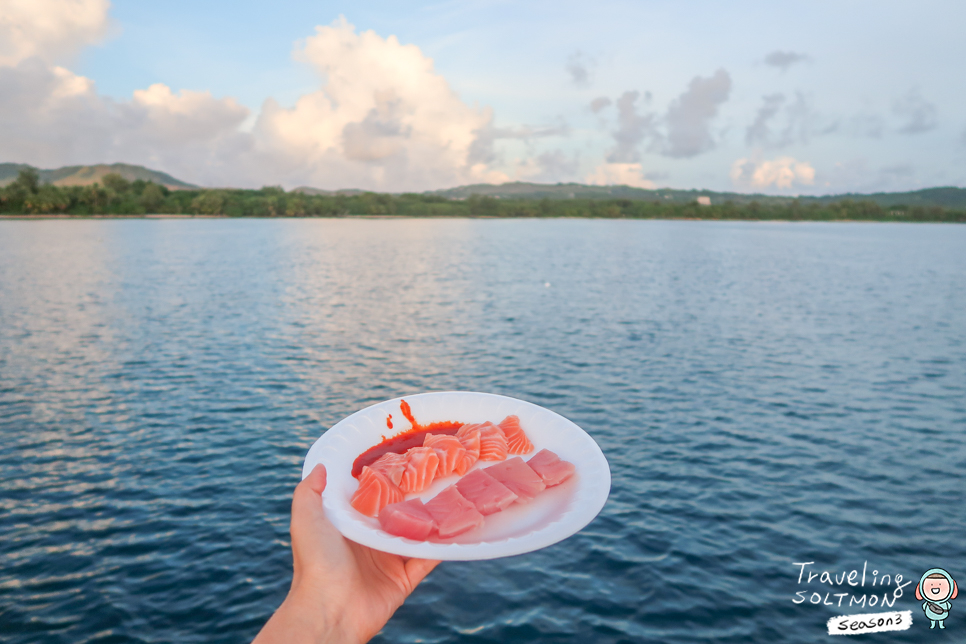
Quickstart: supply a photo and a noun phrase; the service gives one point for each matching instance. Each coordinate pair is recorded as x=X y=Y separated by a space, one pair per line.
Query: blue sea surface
x=767 y=394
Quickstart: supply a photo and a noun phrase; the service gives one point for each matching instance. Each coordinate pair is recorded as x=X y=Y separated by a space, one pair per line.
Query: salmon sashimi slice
x=516 y=441
x=407 y=519
x=468 y=429
x=551 y=468
x=392 y=465
x=493 y=445
x=485 y=492
x=375 y=492
x=421 y=464
x=471 y=441
x=449 y=449
x=453 y=513
x=518 y=477
x=492 y=441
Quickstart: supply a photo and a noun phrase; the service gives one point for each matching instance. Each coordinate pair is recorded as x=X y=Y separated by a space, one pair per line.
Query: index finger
x=417 y=569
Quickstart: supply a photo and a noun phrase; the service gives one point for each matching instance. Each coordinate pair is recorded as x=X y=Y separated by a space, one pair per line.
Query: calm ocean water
x=765 y=393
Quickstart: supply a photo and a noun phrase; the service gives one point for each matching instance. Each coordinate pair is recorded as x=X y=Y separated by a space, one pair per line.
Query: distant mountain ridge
x=84 y=175
x=317 y=192
x=947 y=197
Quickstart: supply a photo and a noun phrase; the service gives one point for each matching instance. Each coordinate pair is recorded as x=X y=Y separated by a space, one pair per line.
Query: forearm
x=298 y=622
x=342 y=592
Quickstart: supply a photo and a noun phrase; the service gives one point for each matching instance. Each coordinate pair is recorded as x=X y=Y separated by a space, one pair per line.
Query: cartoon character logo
x=937 y=587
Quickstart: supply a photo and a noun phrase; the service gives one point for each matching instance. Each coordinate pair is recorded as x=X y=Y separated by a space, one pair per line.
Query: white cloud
x=689 y=116
x=632 y=129
x=186 y=115
x=50 y=117
x=685 y=129
x=759 y=132
x=483 y=149
x=49 y=29
x=381 y=119
x=599 y=104
x=783 y=173
x=580 y=67
x=621 y=174
x=779 y=123
x=785 y=59
x=384 y=118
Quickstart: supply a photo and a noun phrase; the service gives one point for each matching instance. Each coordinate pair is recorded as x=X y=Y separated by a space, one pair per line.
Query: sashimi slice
x=407 y=519
x=453 y=514
x=493 y=445
x=467 y=429
x=392 y=465
x=550 y=467
x=421 y=464
x=518 y=477
x=471 y=441
x=449 y=449
x=492 y=441
x=516 y=441
x=375 y=492
x=485 y=492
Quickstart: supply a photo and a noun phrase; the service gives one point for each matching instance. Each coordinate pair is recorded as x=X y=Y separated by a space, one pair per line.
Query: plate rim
x=592 y=494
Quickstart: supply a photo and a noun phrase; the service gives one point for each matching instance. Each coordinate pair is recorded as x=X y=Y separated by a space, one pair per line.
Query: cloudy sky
x=787 y=98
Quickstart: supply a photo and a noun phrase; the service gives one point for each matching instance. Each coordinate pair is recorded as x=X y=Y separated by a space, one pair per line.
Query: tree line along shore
x=120 y=197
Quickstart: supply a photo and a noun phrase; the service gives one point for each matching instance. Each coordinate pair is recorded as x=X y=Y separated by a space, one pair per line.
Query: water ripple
x=765 y=394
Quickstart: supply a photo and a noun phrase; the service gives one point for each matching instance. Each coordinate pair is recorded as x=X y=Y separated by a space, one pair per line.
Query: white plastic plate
x=552 y=516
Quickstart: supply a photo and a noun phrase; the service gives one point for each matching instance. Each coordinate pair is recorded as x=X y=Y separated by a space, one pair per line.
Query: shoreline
x=390 y=217
x=166 y=216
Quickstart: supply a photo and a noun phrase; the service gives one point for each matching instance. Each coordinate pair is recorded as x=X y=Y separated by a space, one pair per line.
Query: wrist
x=317 y=622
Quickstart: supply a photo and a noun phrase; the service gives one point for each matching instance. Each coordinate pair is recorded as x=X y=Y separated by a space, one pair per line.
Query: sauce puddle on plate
x=399 y=443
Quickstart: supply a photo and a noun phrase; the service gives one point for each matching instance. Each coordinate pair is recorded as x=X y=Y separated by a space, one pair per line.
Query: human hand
x=341 y=591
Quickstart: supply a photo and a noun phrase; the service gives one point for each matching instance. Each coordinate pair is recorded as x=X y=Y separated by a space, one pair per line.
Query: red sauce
x=408 y=413
x=399 y=443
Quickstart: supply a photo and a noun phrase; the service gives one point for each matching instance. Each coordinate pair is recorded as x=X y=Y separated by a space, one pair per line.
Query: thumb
x=316 y=479
x=309 y=492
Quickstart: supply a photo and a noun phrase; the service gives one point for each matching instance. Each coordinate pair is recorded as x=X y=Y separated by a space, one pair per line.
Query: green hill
x=948 y=197
x=945 y=197
x=521 y=190
x=84 y=175
x=318 y=192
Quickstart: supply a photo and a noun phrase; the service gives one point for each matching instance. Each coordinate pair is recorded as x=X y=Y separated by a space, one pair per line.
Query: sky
x=815 y=97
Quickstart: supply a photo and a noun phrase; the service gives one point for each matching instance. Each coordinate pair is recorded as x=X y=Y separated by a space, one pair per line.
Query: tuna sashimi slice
x=492 y=441
x=392 y=465
x=516 y=441
x=407 y=519
x=453 y=514
x=449 y=449
x=550 y=467
x=421 y=464
x=518 y=477
x=375 y=492
x=471 y=441
x=485 y=492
